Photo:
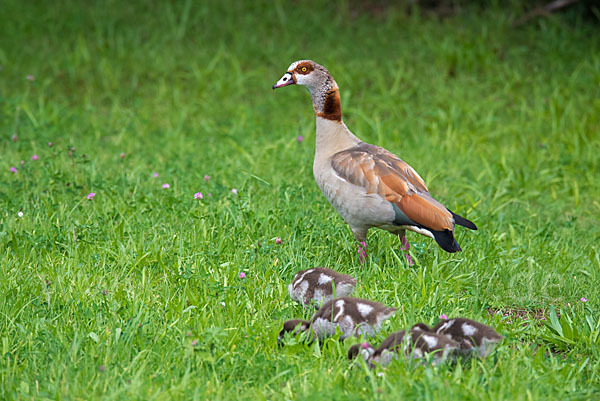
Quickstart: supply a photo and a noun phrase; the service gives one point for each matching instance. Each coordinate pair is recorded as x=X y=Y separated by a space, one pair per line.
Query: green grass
x=120 y=297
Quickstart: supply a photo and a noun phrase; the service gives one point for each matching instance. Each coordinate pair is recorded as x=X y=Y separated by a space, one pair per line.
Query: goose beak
x=287 y=79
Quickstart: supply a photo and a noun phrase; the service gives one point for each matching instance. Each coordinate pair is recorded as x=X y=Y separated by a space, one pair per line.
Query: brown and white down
x=353 y=316
x=317 y=286
x=368 y=185
x=471 y=335
x=419 y=344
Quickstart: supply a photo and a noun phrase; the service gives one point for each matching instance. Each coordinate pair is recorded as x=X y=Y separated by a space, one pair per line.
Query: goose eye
x=304 y=69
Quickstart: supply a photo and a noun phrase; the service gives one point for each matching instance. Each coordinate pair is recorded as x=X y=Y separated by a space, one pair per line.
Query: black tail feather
x=461 y=221
x=446 y=241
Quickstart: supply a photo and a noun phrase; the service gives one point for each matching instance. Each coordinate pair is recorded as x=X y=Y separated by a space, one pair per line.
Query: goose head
x=306 y=73
x=365 y=350
x=322 y=87
x=294 y=326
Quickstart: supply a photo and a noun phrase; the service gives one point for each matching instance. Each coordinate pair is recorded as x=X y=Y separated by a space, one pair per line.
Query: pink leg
x=362 y=251
x=406 y=247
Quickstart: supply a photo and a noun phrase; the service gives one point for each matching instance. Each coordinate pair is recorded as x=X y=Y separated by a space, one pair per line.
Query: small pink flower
x=300 y=138
x=91 y=195
x=278 y=240
x=13 y=170
x=209 y=195
x=35 y=157
x=206 y=177
x=582 y=299
x=122 y=155
x=242 y=275
x=155 y=175
x=14 y=138
x=22 y=162
x=166 y=186
x=198 y=195
x=50 y=144
x=443 y=316
x=194 y=343
x=30 y=77
x=365 y=345
x=101 y=368
x=234 y=191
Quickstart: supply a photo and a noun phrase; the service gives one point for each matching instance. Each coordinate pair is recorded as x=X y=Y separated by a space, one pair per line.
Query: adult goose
x=368 y=185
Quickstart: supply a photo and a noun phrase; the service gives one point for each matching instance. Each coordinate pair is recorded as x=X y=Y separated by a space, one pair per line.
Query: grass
x=135 y=294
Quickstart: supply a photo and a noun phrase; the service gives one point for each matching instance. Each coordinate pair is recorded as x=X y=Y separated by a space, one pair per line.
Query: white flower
x=20 y=214
x=223 y=304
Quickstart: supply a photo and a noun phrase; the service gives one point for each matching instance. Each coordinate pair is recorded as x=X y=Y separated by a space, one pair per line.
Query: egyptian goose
x=471 y=335
x=317 y=286
x=368 y=185
x=354 y=317
x=418 y=345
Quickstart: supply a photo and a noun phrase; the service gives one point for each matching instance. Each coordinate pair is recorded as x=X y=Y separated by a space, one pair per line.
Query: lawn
x=136 y=293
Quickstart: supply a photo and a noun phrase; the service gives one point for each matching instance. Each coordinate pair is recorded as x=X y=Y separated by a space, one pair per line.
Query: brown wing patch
x=400 y=168
x=427 y=212
x=357 y=168
x=383 y=173
x=394 y=188
x=411 y=175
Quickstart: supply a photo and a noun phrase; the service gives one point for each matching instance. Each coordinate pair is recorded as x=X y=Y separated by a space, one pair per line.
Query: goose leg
x=405 y=247
x=360 y=234
x=362 y=251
